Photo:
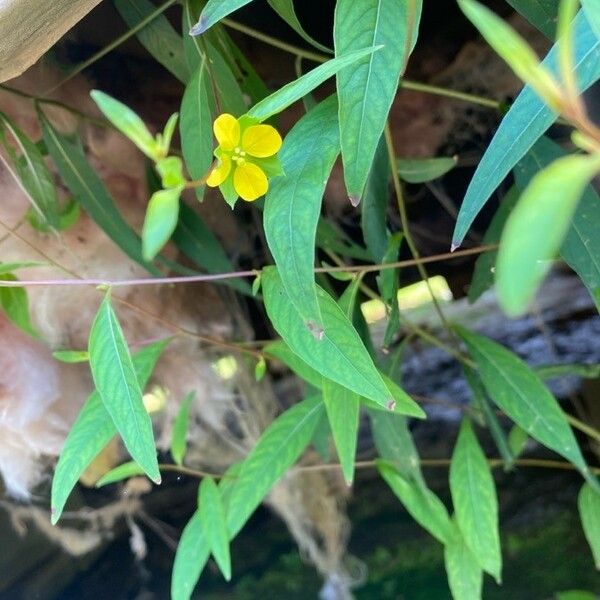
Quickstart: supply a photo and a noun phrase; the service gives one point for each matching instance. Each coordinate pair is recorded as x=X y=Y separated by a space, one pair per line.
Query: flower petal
x=227 y=131
x=250 y=182
x=220 y=173
x=261 y=141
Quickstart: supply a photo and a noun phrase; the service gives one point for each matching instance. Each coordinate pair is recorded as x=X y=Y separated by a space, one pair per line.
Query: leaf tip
x=454 y=245
x=54 y=515
x=354 y=199
x=200 y=27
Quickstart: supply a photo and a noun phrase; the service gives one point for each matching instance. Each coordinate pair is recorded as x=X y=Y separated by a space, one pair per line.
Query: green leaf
x=71 y=356
x=510 y=46
x=124 y=471
x=116 y=382
x=281 y=351
x=285 y=9
x=343 y=408
x=160 y=221
x=295 y=90
x=589 y=511
x=14 y=304
x=214 y=524
x=260 y=369
x=92 y=430
x=89 y=191
x=293 y=205
x=170 y=170
x=198 y=243
x=585 y=370
x=331 y=237
x=35 y=179
x=158 y=37
x=421 y=503
x=465 y=577
x=483 y=274
x=339 y=355
x=576 y=595
x=402 y=402
x=375 y=204
x=581 y=246
x=527 y=119
x=8 y=267
x=591 y=9
x=127 y=122
x=277 y=449
x=518 y=392
x=367 y=89
x=517 y=440
x=536 y=228
x=420 y=170
x=540 y=13
x=195 y=126
x=475 y=501
x=395 y=444
x=180 y=429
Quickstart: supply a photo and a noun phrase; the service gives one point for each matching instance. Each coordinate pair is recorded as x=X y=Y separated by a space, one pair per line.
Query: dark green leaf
x=421 y=170
x=89 y=191
x=92 y=430
x=116 y=381
x=483 y=275
x=527 y=119
x=343 y=407
x=540 y=13
x=180 y=429
x=517 y=440
x=293 y=205
x=124 y=471
x=276 y=451
x=421 y=503
x=518 y=392
x=281 y=351
x=214 y=524
x=475 y=501
x=367 y=89
x=158 y=37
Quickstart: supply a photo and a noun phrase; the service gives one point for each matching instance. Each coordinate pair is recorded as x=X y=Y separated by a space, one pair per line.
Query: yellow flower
x=246 y=157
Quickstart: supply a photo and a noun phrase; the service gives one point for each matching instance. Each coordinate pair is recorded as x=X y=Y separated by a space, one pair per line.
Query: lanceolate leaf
x=581 y=246
x=293 y=204
x=343 y=408
x=214 y=525
x=424 y=169
x=518 y=392
x=285 y=9
x=32 y=172
x=527 y=119
x=422 y=504
x=90 y=192
x=540 y=13
x=214 y=11
x=158 y=37
x=483 y=274
x=277 y=449
x=117 y=384
x=298 y=88
x=537 y=226
x=14 y=304
x=589 y=511
x=160 y=221
x=465 y=576
x=475 y=501
x=591 y=9
x=339 y=355
x=366 y=90
x=180 y=429
x=92 y=430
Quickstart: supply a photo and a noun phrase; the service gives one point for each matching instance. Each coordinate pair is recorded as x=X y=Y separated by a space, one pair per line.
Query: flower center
x=238 y=156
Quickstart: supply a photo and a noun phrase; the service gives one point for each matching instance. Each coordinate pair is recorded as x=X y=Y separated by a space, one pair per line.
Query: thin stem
x=234 y=274
x=114 y=44
x=406 y=229
x=577 y=424
x=321 y=58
